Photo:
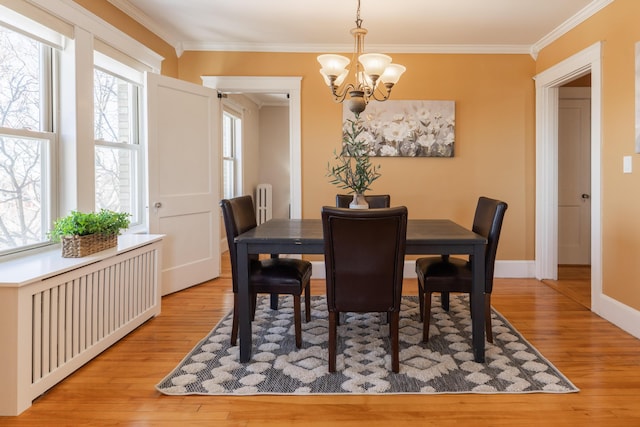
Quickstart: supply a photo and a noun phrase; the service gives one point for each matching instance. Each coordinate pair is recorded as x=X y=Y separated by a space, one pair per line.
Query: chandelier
x=373 y=78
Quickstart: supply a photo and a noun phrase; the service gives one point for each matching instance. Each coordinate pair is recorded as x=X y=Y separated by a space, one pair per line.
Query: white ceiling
x=455 y=26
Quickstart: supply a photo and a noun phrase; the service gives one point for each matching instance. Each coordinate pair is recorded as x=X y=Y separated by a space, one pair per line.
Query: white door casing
x=184 y=167
x=547 y=88
x=291 y=86
x=574 y=176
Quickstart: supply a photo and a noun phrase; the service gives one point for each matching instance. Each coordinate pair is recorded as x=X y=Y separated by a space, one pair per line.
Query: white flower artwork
x=407 y=128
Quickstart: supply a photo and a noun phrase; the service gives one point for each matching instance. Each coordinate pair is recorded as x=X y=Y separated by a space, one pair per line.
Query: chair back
x=488 y=222
x=239 y=216
x=374 y=201
x=364 y=258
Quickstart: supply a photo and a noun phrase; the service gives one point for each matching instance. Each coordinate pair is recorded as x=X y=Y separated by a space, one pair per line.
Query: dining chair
x=375 y=200
x=364 y=258
x=286 y=276
x=447 y=274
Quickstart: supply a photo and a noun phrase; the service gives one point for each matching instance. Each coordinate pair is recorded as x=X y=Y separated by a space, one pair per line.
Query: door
x=574 y=181
x=184 y=168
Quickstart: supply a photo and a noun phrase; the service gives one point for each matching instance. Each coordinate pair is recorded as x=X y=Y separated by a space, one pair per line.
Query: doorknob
x=156 y=206
x=585 y=196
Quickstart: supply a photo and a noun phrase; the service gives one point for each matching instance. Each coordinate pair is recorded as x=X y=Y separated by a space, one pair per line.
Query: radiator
x=65 y=320
x=264 y=210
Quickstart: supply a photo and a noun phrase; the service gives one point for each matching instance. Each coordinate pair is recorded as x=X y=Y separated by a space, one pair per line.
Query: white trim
x=72 y=12
x=144 y=19
x=547 y=84
x=587 y=12
x=290 y=85
x=388 y=48
x=621 y=315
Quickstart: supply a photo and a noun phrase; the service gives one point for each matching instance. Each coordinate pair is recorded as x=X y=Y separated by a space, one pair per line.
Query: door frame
x=291 y=86
x=548 y=82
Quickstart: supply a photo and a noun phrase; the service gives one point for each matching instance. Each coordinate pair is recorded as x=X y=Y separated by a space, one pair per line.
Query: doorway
x=290 y=86
x=548 y=83
x=574 y=190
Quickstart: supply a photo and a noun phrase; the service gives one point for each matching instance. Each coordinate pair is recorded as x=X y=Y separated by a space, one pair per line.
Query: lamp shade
x=392 y=73
x=374 y=63
x=338 y=81
x=333 y=65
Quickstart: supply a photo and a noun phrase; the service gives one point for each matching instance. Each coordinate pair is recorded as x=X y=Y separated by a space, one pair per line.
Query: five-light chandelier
x=374 y=75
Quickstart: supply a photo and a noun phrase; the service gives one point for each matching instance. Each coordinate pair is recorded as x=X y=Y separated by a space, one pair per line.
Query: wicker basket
x=79 y=246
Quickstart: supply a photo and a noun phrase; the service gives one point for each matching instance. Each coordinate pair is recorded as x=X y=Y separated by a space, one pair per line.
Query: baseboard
x=623 y=316
x=503 y=269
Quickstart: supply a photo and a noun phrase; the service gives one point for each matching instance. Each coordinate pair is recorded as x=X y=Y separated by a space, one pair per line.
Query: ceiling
x=407 y=26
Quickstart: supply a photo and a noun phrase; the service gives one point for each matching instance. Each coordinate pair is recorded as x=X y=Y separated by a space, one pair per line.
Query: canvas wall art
x=407 y=128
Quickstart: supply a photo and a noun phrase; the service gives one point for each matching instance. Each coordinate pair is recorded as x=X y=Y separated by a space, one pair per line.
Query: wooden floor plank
x=117 y=387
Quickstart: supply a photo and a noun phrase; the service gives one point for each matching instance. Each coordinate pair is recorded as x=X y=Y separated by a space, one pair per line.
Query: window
x=118 y=155
x=26 y=141
x=231 y=138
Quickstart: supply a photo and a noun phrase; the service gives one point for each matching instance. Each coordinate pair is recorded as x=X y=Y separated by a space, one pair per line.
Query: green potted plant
x=82 y=234
x=353 y=170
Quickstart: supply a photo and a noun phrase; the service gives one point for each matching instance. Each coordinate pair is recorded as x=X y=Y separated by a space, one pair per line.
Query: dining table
x=305 y=236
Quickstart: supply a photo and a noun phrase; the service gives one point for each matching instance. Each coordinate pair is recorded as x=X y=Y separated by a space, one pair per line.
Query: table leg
x=477 y=303
x=244 y=318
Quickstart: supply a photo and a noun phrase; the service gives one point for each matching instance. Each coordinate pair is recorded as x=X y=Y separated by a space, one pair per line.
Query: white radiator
x=264 y=210
x=67 y=319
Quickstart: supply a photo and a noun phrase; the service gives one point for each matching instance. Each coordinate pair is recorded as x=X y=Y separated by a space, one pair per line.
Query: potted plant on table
x=82 y=234
x=353 y=170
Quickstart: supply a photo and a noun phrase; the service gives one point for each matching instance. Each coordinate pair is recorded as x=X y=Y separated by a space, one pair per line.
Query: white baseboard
x=623 y=316
x=504 y=269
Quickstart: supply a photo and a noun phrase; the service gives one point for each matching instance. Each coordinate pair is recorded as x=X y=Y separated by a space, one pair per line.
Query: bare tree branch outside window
x=21 y=211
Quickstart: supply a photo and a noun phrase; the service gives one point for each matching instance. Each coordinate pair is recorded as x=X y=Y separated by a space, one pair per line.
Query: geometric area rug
x=443 y=365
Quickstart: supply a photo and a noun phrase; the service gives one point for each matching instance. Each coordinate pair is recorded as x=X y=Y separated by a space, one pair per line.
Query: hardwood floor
x=117 y=387
x=574 y=281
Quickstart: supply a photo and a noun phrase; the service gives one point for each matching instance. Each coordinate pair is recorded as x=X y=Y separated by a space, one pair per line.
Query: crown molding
x=586 y=13
x=348 y=48
x=533 y=50
x=146 y=21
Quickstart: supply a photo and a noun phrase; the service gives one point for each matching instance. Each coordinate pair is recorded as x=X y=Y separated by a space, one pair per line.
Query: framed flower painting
x=406 y=128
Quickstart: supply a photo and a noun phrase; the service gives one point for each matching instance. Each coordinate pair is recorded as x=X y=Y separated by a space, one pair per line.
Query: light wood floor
x=117 y=387
x=574 y=281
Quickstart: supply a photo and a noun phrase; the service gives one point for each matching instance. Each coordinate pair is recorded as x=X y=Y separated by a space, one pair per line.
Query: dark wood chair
x=364 y=257
x=446 y=274
x=270 y=276
x=374 y=201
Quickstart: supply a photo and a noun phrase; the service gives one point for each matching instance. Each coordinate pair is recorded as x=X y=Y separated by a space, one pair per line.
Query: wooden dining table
x=305 y=236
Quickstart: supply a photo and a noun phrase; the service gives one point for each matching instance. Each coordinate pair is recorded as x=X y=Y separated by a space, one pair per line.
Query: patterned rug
x=444 y=365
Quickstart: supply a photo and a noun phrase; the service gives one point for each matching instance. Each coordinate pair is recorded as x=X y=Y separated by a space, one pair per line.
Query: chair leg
x=274 y=301
x=395 y=342
x=427 y=316
x=421 y=299
x=254 y=303
x=487 y=317
x=444 y=299
x=234 y=323
x=332 y=340
x=307 y=303
x=297 y=320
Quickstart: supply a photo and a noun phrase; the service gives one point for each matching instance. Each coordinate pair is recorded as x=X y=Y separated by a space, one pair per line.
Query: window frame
x=236 y=148
x=135 y=144
x=47 y=134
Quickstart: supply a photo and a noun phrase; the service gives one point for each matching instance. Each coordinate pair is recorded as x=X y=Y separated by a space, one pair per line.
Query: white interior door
x=184 y=168
x=574 y=181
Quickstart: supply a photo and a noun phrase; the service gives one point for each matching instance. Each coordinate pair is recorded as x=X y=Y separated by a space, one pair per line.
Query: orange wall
x=494 y=148
x=617 y=27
